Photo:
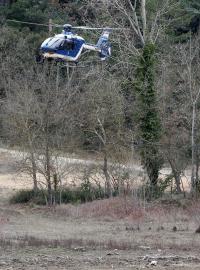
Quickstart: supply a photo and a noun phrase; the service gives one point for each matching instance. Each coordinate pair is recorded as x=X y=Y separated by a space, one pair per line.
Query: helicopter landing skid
x=80 y=65
x=70 y=65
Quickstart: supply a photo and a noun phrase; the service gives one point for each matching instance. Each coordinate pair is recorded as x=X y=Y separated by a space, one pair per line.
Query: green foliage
x=18 y=48
x=147 y=114
x=185 y=19
x=192 y=6
x=41 y=11
x=30 y=11
x=85 y=193
x=149 y=192
x=22 y=196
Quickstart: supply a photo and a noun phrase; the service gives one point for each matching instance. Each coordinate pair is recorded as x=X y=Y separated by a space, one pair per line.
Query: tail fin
x=104 y=45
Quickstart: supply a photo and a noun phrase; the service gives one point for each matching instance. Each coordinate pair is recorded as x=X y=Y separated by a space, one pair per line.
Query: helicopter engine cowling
x=105 y=51
x=104 y=45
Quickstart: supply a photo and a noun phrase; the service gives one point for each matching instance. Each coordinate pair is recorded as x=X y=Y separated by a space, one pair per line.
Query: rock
x=83 y=249
x=112 y=253
x=197 y=230
x=130 y=228
x=144 y=247
x=153 y=263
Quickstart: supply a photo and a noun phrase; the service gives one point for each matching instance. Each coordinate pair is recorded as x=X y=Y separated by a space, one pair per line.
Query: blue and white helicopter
x=68 y=46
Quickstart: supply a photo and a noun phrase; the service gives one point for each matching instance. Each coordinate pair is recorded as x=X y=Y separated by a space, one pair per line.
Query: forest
x=99 y=154
x=142 y=104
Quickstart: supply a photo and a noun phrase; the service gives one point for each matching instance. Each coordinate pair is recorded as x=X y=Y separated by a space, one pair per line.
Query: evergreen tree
x=147 y=115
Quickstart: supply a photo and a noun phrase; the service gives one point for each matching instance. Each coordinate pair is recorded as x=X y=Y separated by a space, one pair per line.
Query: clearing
x=110 y=234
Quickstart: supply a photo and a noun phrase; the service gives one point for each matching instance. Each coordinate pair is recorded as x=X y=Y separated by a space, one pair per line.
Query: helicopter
x=68 y=46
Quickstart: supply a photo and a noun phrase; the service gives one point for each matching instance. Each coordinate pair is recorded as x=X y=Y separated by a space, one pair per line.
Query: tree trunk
x=193 y=185
x=55 y=183
x=108 y=189
x=144 y=19
x=177 y=178
x=197 y=169
x=48 y=175
x=34 y=172
x=176 y=174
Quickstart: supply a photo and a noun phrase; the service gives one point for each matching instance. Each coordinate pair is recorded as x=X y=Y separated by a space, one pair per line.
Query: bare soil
x=110 y=234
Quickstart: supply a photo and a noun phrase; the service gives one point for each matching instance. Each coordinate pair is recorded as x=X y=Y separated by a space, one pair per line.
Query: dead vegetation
x=119 y=232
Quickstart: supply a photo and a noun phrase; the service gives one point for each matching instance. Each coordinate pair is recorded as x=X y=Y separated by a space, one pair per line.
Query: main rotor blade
x=96 y=28
x=31 y=23
x=61 y=26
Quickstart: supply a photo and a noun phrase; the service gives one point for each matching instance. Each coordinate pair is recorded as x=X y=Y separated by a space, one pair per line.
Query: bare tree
x=175 y=142
x=38 y=117
x=189 y=73
x=101 y=117
x=20 y=116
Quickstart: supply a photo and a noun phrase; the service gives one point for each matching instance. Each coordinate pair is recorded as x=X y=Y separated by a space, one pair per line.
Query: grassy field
x=116 y=233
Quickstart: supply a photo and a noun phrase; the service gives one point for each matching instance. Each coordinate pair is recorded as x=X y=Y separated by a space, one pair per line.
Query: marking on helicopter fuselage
x=60 y=56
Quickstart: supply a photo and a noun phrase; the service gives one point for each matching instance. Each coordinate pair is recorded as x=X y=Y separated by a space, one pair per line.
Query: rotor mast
x=67 y=28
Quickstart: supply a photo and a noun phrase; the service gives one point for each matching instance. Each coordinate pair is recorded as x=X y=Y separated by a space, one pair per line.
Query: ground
x=118 y=233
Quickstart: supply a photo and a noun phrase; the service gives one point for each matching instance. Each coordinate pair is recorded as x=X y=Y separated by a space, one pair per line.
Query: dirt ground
x=111 y=234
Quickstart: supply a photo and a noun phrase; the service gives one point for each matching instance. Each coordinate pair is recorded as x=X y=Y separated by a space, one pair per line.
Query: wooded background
x=142 y=104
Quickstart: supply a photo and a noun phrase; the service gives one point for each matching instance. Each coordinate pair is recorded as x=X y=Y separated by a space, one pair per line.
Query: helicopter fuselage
x=65 y=47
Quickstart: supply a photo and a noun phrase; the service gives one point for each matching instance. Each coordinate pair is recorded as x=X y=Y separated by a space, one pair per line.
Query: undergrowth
x=78 y=195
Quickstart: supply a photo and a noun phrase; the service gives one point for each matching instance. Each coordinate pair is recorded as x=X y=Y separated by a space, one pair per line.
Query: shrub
x=80 y=195
x=149 y=192
x=22 y=196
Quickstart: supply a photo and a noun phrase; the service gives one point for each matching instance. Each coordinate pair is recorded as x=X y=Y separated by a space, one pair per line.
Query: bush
x=79 y=195
x=28 y=195
x=149 y=192
x=22 y=196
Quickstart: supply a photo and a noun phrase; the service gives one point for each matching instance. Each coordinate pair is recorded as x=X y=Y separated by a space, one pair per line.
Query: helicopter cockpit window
x=54 y=43
x=67 y=45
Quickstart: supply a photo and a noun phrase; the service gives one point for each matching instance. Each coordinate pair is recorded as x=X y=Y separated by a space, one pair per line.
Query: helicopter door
x=67 y=45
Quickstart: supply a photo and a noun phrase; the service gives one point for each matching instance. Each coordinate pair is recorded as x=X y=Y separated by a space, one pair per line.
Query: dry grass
x=133 y=227
x=114 y=208
x=71 y=243
x=130 y=208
